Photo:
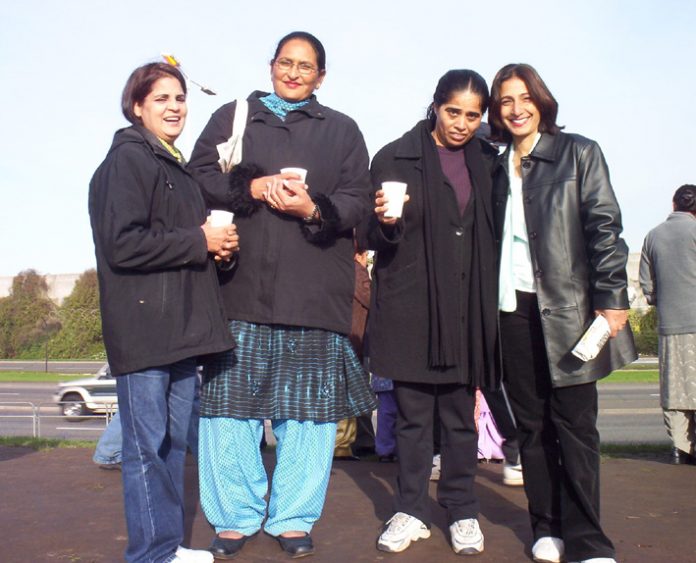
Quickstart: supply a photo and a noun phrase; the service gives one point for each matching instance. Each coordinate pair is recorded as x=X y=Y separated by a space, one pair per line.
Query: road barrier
x=36 y=412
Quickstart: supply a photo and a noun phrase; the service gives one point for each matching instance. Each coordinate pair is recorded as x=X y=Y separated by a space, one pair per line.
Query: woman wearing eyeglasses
x=562 y=263
x=288 y=300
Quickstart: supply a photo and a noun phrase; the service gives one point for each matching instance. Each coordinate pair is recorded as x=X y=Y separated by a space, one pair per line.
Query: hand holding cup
x=390 y=201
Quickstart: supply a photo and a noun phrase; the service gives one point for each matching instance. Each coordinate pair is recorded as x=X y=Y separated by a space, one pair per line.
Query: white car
x=82 y=397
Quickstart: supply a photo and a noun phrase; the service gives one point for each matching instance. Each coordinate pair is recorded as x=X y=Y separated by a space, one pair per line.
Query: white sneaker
x=512 y=475
x=401 y=529
x=466 y=536
x=548 y=550
x=435 y=472
x=185 y=555
x=598 y=560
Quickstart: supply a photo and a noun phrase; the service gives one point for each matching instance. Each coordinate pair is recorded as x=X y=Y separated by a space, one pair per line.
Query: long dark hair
x=309 y=38
x=457 y=80
x=538 y=92
x=139 y=85
x=685 y=198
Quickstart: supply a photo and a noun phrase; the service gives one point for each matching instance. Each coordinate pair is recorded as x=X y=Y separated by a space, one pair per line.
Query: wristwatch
x=313 y=216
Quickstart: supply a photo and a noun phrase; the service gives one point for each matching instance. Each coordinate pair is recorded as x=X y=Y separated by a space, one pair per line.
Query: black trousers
x=559 y=442
x=458 y=448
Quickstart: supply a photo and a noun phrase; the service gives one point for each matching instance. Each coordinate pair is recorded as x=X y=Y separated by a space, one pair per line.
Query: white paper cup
x=301 y=172
x=395 y=192
x=220 y=218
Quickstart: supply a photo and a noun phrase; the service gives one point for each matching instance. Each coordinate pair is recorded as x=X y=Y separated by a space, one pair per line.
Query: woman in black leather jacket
x=562 y=262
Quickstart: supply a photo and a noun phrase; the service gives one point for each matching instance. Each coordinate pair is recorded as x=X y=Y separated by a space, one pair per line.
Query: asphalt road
x=627 y=413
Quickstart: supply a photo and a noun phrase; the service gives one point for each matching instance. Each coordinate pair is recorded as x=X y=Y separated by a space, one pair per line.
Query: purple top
x=453 y=164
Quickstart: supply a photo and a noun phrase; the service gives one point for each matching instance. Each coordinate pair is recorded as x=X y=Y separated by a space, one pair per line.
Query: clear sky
x=621 y=71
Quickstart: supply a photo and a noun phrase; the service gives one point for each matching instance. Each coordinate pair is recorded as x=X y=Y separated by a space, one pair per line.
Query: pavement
x=57 y=506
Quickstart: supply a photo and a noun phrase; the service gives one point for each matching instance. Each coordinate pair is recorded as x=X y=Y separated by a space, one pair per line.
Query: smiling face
x=518 y=112
x=457 y=119
x=163 y=111
x=289 y=83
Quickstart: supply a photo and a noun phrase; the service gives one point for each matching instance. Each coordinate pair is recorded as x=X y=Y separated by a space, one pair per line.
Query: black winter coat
x=159 y=296
x=288 y=273
x=399 y=323
x=578 y=256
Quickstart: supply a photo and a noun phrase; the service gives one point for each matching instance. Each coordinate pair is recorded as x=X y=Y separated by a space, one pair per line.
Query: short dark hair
x=140 y=83
x=309 y=38
x=685 y=198
x=458 y=80
x=538 y=92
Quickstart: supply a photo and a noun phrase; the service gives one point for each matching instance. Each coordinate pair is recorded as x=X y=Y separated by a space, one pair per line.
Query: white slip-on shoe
x=185 y=555
x=512 y=475
x=400 y=530
x=466 y=536
x=548 y=550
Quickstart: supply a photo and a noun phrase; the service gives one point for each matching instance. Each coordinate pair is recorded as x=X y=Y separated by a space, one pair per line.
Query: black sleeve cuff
x=325 y=232
x=240 y=179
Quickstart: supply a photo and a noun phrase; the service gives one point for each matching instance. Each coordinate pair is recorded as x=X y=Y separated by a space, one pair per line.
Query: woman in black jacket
x=289 y=302
x=160 y=303
x=562 y=262
x=433 y=314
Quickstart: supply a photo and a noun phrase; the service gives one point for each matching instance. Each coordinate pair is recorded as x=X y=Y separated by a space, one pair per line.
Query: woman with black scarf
x=433 y=315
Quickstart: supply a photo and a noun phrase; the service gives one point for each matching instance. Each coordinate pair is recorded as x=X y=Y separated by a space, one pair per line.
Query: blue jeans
x=108 y=450
x=155 y=406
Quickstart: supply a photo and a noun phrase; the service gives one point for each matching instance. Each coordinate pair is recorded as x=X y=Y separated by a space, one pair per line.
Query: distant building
x=59 y=286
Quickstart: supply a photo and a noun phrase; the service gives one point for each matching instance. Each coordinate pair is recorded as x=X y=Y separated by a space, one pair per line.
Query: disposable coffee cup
x=395 y=192
x=301 y=172
x=220 y=218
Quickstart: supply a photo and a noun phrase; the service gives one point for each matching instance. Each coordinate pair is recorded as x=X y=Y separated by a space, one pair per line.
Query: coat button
x=532 y=235
x=459 y=232
x=546 y=312
x=528 y=199
x=463 y=275
x=539 y=273
x=526 y=164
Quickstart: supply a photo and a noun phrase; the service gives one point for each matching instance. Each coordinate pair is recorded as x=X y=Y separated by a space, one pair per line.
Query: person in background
x=160 y=303
x=347 y=430
x=432 y=322
x=385 y=436
x=668 y=280
x=288 y=301
x=562 y=262
x=497 y=402
x=107 y=454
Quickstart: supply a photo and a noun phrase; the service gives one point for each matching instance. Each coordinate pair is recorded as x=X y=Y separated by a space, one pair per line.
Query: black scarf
x=445 y=348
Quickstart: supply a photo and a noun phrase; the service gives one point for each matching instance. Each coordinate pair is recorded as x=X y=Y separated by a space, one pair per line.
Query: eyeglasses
x=286 y=65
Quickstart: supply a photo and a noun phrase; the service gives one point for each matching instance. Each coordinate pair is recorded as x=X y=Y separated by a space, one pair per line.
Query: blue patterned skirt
x=284 y=372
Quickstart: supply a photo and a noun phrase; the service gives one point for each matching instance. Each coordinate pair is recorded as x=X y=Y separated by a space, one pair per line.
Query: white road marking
x=99 y=429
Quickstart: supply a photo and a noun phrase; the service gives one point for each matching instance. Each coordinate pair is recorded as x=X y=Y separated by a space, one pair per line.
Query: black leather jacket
x=578 y=256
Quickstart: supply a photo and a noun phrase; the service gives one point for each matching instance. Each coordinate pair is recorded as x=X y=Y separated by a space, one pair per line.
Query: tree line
x=32 y=326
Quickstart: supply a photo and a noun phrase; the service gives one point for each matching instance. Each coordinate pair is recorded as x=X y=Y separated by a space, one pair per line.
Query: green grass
x=38 y=376
x=39 y=444
x=632 y=376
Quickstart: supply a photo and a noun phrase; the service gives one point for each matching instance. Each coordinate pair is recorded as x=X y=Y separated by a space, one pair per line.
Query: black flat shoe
x=679 y=457
x=296 y=547
x=228 y=548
